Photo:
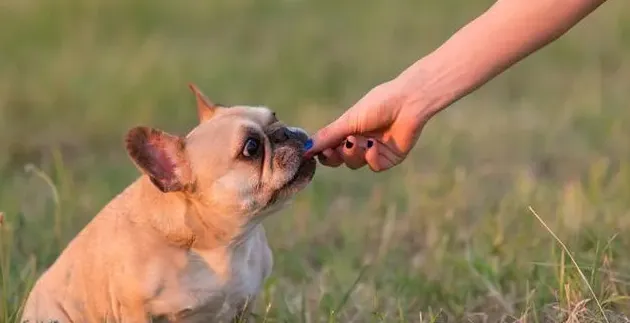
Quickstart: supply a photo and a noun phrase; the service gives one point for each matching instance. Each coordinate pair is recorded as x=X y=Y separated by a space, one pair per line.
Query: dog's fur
x=183 y=243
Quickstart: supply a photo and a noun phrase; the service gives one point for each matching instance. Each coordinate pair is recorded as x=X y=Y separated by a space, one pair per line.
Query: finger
x=353 y=152
x=380 y=157
x=330 y=136
x=330 y=158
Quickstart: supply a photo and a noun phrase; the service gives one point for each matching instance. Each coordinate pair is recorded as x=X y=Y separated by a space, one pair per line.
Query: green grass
x=448 y=235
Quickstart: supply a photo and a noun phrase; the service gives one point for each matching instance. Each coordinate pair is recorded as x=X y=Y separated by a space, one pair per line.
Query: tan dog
x=184 y=242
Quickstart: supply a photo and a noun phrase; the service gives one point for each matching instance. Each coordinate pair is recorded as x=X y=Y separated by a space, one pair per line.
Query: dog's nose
x=283 y=134
x=297 y=134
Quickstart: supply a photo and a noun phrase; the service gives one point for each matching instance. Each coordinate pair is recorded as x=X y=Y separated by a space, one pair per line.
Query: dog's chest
x=212 y=287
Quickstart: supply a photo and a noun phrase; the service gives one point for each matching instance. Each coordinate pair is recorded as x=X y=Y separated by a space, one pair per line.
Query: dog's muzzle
x=283 y=134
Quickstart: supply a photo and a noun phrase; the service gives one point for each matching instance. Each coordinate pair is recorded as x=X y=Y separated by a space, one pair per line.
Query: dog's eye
x=252 y=146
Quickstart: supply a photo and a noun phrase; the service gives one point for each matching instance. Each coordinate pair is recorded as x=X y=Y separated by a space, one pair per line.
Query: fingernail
x=349 y=144
x=370 y=143
x=308 y=144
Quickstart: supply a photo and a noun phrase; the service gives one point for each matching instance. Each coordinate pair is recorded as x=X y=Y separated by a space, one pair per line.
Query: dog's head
x=239 y=160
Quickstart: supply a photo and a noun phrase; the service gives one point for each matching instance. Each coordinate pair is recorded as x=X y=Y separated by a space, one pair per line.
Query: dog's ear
x=161 y=156
x=205 y=107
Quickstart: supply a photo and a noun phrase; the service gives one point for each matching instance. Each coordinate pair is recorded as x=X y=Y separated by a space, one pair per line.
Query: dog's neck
x=185 y=222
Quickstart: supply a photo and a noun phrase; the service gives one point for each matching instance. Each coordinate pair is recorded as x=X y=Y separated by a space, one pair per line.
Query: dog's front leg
x=40 y=307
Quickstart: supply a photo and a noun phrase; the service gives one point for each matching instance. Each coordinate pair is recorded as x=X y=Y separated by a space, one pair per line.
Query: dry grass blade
x=564 y=247
x=346 y=296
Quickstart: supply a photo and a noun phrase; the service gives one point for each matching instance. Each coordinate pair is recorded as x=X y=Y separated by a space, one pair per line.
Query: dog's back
x=71 y=289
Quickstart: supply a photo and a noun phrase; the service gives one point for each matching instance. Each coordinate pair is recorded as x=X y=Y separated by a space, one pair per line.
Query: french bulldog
x=184 y=242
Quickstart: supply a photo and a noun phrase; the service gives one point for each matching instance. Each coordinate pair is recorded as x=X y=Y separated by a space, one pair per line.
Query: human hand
x=379 y=130
x=382 y=127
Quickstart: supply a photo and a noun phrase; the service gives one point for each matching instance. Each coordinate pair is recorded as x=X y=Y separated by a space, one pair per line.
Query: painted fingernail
x=370 y=143
x=308 y=144
x=349 y=144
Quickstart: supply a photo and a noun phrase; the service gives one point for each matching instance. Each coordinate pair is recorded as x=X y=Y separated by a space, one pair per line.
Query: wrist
x=424 y=89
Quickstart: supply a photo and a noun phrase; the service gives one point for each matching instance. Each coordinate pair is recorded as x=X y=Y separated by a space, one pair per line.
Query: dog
x=184 y=242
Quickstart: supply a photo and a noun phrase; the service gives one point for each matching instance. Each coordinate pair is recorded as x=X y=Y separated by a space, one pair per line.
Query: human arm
x=393 y=114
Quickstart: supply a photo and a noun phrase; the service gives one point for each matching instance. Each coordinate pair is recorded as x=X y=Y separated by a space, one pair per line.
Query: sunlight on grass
x=577 y=268
x=445 y=237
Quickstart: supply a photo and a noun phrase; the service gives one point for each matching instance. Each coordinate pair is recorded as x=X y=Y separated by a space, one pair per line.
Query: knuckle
x=380 y=169
x=332 y=162
x=353 y=167
x=375 y=167
x=352 y=120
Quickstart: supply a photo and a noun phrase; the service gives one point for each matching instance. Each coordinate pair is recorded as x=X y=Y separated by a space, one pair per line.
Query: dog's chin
x=302 y=176
x=300 y=179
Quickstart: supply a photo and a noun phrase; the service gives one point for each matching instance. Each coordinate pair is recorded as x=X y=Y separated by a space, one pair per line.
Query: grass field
x=448 y=236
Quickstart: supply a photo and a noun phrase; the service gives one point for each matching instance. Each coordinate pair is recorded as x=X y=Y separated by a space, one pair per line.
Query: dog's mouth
x=303 y=175
x=300 y=179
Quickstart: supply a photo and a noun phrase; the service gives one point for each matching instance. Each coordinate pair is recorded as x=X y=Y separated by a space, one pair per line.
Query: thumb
x=330 y=136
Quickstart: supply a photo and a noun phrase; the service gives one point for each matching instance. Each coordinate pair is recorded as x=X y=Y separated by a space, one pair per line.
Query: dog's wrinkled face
x=239 y=160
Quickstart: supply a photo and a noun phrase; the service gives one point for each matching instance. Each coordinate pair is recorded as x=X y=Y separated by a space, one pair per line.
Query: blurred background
x=446 y=236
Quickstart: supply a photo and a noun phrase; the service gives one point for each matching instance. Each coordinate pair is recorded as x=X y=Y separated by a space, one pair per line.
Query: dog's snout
x=298 y=134
x=283 y=134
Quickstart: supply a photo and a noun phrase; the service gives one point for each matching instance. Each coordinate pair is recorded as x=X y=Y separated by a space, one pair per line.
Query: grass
x=446 y=236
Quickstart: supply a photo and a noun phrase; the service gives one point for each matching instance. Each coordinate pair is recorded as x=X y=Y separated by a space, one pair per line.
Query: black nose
x=283 y=134
x=297 y=135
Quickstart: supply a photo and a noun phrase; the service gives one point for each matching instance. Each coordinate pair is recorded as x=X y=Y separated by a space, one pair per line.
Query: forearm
x=503 y=35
